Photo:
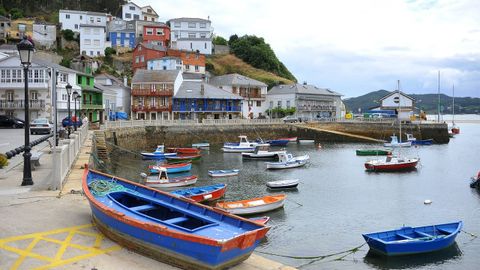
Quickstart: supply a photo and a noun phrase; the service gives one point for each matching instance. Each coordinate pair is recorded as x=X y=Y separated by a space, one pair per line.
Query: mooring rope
x=471 y=234
x=103 y=187
x=315 y=258
x=124 y=149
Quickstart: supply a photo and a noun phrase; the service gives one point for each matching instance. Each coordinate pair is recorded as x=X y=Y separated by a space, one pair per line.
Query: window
x=142 y=58
x=203 y=25
x=149 y=10
x=63 y=77
x=92 y=20
x=136 y=17
x=128 y=16
x=192 y=25
x=279 y=104
x=203 y=35
x=192 y=35
x=22 y=27
x=87 y=42
x=145 y=18
x=96 y=31
x=205 y=45
x=153 y=19
x=197 y=69
x=10 y=96
x=64 y=97
x=159 y=32
x=98 y=52
x=99 y=19
x=79 y=80
x=91 y=53
x=67 y=16
x=191 y=45
x=139 y=48
x=87 y=31
x=38 y=76
x=177 y=24
x=187 y=67
x=76 y=26
x=288 y=104
x=81 y=17
x=149 y=31
x=96 y=42
x=137 y=59
x=88 y=80
x=34 y=95
x=140 y=101
x=131 y=7
x=259 y=103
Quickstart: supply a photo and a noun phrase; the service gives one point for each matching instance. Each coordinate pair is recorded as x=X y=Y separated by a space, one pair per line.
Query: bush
x=110 y=51
x=68 y=35
x=218 y=40
x=66 y=62
x=16 y=13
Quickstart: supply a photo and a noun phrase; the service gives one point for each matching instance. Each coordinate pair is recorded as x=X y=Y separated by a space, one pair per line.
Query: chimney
x=202 y=89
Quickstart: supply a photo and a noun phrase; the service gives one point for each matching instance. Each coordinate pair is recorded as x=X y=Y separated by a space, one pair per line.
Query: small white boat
x=262 y=151
x=163 y=181
x=395 y=143
x=223 y=173
x=243 y=146
x=287 y=161
x=201 y=145
x=280 y=184
x=158 y=154
x=306 y=141
x=254 y=206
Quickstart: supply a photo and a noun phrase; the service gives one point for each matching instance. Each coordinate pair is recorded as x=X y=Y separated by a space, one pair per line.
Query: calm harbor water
x=338 y=200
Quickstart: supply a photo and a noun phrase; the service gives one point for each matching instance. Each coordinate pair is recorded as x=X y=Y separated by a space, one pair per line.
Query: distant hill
x=229 y=63
x=426 y=102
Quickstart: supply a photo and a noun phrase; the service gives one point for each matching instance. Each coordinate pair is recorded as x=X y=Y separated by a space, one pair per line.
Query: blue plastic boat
x=158 y=154
x=202 y=194
x=171 y=168
x=413 y=240
x=278 y=142
x=173 y=229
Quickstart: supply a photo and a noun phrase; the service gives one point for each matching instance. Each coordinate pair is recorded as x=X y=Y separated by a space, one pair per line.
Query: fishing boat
x=391 y=164
x=373 y=152
x=262 y=151
x=183 y=158
x=202 y=145
x=290 y=139
x=243 y=146
x=171 y=168
x=223 y=173
x=287 y=161
x=414 y=140
x=184 y=151
x=306 y=141
x=283 y=184
x=163 y=181
x=278 y=142
x=261 y=220
x=253 y=206
x=159 y=153
x=396 y=143
x=202 y=194
x=413 y=240
x=454 y=129
x=168 y=228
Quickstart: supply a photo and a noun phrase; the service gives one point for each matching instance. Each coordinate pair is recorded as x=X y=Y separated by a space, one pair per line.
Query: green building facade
x=92 y=99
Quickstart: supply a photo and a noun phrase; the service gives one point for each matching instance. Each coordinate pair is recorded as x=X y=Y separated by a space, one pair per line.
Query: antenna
x=438 y=103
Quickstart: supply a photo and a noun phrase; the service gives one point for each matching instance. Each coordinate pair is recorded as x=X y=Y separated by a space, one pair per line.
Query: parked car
x=41 y=125
x=66 y=122
x=11 y=122
x=290 y=119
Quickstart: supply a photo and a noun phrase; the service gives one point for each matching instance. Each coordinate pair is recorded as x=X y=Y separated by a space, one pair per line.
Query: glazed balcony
x=86 y=105
x=147 y=108
x=208 y=108
x=150 y=92
x=20 y=104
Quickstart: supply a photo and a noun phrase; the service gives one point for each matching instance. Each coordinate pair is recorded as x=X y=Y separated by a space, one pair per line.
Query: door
x=153 y=116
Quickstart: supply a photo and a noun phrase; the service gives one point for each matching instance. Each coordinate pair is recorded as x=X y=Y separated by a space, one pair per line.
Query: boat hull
x=283 y=184
x=157 y=155
x=184 y=151
x=278 y=142
x=256 y=209
x=260 y=156
x=291 y=139
x=455 y=130
x=208 y=195
x=181 y=159
x=405 y=166
x=373 y=152
x=228 y=149
x=172 y=168
x=423 y=142
x=187 y=181
x=223 y=174
x=406 y=241
x=285 y=165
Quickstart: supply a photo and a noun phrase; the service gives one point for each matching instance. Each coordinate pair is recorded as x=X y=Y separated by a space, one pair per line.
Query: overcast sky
x=356 y=46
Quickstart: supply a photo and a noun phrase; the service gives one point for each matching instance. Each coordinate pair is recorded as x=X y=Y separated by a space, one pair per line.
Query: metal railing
x=20 y=104
x=161 y=122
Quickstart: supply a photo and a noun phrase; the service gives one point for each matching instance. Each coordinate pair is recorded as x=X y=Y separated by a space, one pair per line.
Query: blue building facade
x=123 y=39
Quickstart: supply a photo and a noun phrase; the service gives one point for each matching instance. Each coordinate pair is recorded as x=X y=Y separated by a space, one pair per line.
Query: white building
x=149 y=14
x=400 y=102
x=253 y=92
x=44 y=35
x=310 y=102
x=72 y=19
x=92 y=40
x=131 y=11
x=165 y=63
x=191 y=34
x=111 y=85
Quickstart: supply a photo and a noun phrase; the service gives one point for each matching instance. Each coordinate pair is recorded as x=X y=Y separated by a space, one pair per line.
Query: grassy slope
x=228 y=63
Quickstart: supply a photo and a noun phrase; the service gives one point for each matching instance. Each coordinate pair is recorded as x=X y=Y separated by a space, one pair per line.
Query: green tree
x=16 y=13
x=3 y=12
x=68 y=35
x=218 y=40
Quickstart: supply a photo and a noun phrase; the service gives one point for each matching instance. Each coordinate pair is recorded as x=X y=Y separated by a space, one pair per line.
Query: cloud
x=355 y=47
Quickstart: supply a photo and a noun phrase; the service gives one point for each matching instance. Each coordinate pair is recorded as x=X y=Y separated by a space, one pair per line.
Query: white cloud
x=356 y=46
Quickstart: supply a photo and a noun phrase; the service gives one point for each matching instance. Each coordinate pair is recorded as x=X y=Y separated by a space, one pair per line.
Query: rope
x=314 y=258
x=471 y=234
x=101 y=188
x=123 y=149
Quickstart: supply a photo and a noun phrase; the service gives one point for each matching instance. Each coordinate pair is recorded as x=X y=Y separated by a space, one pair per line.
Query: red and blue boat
x=203 y=194
x=168 y=228
x=159 y=153
x=171 y=168
x=413 y=240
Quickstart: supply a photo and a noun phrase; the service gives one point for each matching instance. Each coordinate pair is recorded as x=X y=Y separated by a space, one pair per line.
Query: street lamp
x=75 y=97
x=25 y=50
x=69 y=92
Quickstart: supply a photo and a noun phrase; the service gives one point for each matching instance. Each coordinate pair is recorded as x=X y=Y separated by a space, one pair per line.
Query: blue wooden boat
x=202 y=194
x=173 y=229
x=412 y=240
x=171 y=168
x=278 y=142
x=159 y=153
x=223 y=173
x=414 y=140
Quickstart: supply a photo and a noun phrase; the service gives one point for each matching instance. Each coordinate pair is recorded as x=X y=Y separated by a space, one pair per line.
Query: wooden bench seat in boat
x=176 y=220
x=404 y=236
x=443 y=231
x=142 y=207
x=424 y=234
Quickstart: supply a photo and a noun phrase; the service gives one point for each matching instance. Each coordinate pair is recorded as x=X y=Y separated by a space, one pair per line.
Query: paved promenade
x=43 y=229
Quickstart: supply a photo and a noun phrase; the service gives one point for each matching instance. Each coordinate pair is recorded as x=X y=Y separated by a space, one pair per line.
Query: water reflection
x=440 y=257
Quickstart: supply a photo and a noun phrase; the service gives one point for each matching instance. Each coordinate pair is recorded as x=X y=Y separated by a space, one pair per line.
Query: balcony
x=208 y=108
x=139 y=108
x=150 y=92
x=20 y=105
x=86 y=105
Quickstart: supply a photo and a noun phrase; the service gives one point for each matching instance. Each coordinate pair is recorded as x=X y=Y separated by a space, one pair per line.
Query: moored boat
x=262 y=151
x=278 y=142
x=171 y=168
x=373 y=152
x=223 y=173
x=254 y=206
x=159 y=153
x=183 y=158
x=202 y=194
x=202 y=145
x=306 y=141
x=396 y=143
x=391 y=164
x=243 y=146
x=414 y=140
x=290 y=139
x=261 y=220
x=172 y=229
x=287 y=161
x=413 y=240
x=282 y=184
x=183 y=150
x=163 y=181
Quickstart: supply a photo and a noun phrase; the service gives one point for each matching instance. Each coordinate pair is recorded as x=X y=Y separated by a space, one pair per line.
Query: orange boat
x=253 y=206
x=183 y=150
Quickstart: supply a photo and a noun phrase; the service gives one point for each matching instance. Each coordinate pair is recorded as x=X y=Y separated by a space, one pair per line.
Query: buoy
x=427 y=202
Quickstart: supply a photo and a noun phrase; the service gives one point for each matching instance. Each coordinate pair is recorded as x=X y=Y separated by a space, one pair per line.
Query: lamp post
x=69 y=92
x=75 y=97
x=25 y=50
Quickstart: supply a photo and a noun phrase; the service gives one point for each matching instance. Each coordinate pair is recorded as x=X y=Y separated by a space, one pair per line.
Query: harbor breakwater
x=148 y=137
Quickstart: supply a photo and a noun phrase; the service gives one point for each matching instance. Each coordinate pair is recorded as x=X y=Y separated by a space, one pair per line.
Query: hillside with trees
x=425 y=102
